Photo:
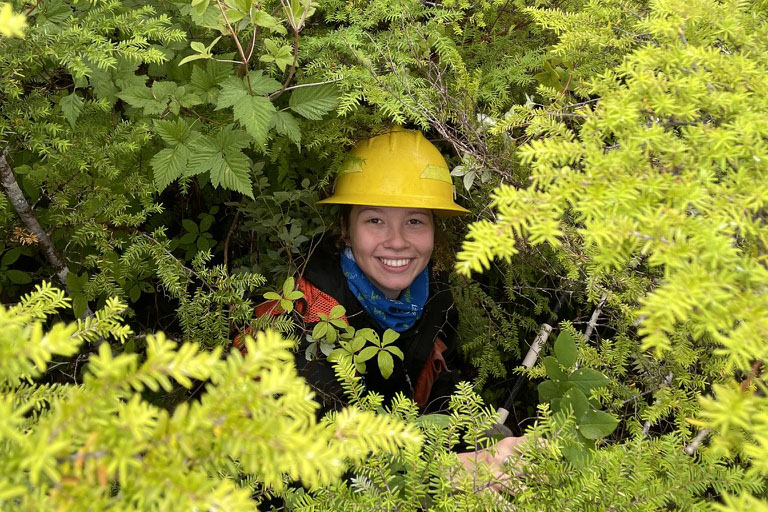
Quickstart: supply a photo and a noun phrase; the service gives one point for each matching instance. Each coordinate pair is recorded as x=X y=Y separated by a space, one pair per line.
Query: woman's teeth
x=394 y=263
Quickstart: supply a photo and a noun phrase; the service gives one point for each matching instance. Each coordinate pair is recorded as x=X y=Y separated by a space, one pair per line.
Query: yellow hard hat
x=397 y=168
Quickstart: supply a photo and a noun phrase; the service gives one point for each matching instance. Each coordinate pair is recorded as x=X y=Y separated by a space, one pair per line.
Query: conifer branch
x=27 y=216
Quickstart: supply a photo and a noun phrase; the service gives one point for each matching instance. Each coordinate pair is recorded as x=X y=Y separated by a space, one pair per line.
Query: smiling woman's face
x=391 y=245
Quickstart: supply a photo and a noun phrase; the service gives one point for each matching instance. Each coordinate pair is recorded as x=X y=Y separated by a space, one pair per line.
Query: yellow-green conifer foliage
x=666 y=179
x=101 y=445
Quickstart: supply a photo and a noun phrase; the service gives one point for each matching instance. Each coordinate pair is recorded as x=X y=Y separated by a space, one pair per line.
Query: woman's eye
x=374 y=220
x=415 y=222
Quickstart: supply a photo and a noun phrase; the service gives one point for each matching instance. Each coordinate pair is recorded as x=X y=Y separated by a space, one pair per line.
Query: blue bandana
x=396 y=314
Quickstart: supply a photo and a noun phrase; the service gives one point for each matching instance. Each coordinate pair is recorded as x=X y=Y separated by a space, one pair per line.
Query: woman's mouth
x=395 y=263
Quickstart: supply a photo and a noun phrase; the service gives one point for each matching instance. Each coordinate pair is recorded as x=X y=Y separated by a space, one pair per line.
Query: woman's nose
x=396 y=238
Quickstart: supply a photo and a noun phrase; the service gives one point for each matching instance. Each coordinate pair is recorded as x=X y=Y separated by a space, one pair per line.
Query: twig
x=691 y=448
x=229 y=237
x=296 y=30
x=237 y=42
x=595 y=315
x=27 y=216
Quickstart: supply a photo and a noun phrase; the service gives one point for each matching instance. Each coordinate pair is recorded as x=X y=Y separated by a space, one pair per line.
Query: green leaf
x=18 y=277
x=319 y=330
x=272 y=296
x=221 y=156
x=205 y=222
x=169 y=164
x=285 y=124
x=175 y=132
x=440 y=421
x=288 y=285
x=587 y=379
x=337 y=311
x=368 y=334
x=356 y=344
x=255 y=113
x=395 y=351
x=313 y=102
x=548 y=391
x=367 y=353
x=193 y=57
x=71 y=106
x=197 y=46
x=10 y=257
x=287 y=305
x=386 y=364
x=294 y=295
x=596 y=424
x=341 y=324
x=79 y=305
x=576 y=400
x=565 y=349
x=262 y=85
x=389 y=337
x=233 y=90
x=189 y=225
x=552 y=366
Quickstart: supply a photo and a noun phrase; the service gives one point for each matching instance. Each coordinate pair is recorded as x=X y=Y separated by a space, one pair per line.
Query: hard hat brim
x=441 y=208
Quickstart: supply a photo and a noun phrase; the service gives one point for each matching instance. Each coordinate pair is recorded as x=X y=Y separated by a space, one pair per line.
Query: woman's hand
x=495 y=459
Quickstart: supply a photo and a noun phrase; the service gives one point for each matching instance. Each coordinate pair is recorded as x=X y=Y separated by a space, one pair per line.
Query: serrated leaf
x=565 y=349
x=233 y=90
x=262 y=85
x=205 y=80
x=596 y=424
x=386 y=363
x=254 y=113
x=221 y=155
x=285 y=124
x=367 y=353
x=548 y=391
x=552 y=367
x=169 y=164
x=587 y=379
x=174 y=132
x=315 y=101
x=71 y=106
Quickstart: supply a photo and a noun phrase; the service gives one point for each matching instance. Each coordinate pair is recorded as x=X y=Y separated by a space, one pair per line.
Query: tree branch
x=595 y=315
x=27 y=216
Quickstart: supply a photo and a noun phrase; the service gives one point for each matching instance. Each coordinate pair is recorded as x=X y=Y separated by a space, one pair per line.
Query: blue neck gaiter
x=396 y=314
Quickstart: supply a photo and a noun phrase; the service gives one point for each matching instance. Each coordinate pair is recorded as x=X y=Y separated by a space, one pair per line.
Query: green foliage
x=256 y=417
x=173 y=154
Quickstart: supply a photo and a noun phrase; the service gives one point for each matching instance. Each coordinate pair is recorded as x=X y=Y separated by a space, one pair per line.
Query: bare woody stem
x=27 y=216
x=595 y=315
x=237 y=42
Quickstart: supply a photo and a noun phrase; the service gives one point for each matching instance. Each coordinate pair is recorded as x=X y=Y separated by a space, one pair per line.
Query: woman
x=391 y=188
